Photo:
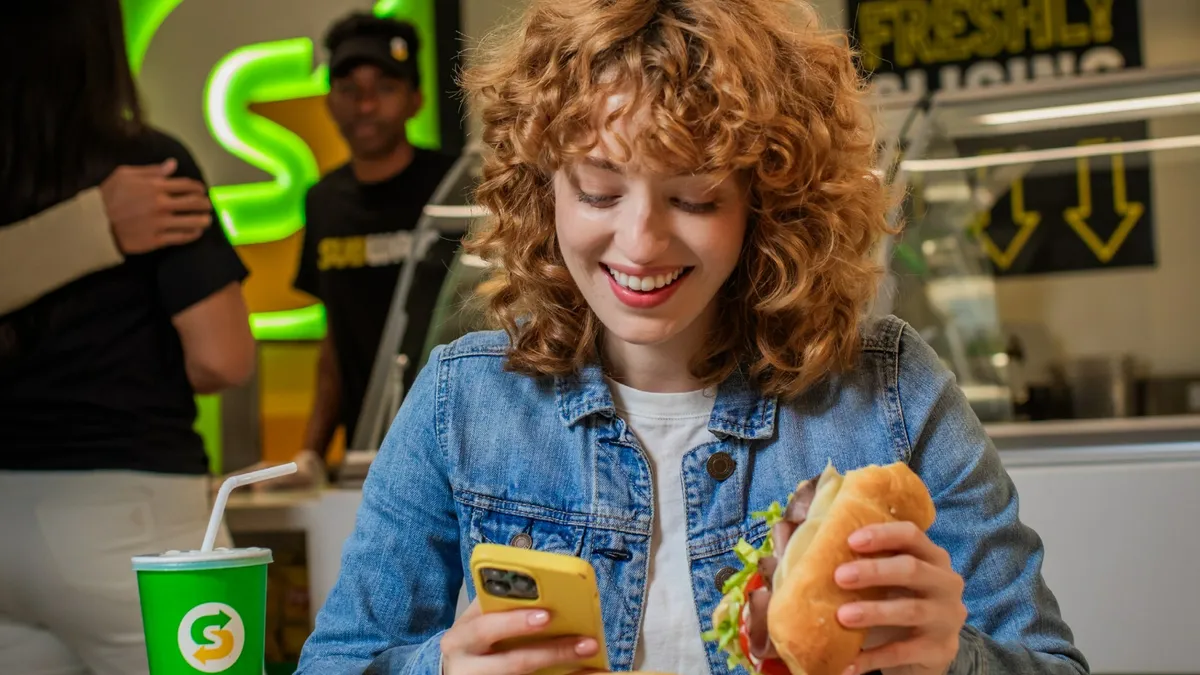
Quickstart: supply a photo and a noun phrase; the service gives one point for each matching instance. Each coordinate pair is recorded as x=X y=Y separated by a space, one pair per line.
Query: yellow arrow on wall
x=1077 y=216
x=1026 y=222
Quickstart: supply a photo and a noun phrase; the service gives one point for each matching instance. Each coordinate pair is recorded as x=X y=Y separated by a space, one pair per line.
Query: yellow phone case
x=565 y=586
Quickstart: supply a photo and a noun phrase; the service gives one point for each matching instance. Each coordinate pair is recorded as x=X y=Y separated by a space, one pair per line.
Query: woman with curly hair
x=684 y=212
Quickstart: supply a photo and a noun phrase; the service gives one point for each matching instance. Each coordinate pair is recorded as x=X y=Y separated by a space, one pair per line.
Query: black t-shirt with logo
x=92 y=375
x=357 y=237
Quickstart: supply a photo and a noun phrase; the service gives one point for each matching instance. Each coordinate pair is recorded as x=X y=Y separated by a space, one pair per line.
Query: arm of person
x=199 y=285
x=135 y=210
x=33 y=261
x=218 y=347
x=402 y=566
x=1013 y=620
x=323 y=421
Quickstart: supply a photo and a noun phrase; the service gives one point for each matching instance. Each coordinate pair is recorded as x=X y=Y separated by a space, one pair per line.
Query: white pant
x=68 y=593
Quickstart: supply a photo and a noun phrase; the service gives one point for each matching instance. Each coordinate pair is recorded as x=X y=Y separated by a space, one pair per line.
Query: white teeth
x=645 y=284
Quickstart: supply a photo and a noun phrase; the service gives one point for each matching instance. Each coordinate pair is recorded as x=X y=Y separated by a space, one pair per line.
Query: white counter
x=1117 y=503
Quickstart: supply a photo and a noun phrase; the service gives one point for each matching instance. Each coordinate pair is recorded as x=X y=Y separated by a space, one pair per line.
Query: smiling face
x=649 y=251
x=742 y=88
x=371 y=108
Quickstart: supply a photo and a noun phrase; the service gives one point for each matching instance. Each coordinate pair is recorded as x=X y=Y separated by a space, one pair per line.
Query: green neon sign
x=256 y=213
x=142 y=19
x=266 y=72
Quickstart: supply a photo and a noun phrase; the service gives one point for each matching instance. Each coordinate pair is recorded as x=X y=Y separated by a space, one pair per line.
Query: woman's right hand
x=467 y=648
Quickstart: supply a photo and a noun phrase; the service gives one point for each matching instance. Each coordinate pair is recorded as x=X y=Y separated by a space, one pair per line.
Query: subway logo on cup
x=211 y=637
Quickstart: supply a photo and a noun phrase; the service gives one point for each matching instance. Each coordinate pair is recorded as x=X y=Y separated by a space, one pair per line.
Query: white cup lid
x=194 y=560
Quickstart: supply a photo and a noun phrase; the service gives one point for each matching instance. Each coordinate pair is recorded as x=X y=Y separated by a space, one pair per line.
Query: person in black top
x=99 y=459
x=360 y=220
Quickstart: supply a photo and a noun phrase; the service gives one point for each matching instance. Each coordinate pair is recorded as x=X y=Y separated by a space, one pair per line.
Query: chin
x=641 y=331
x=373 y=148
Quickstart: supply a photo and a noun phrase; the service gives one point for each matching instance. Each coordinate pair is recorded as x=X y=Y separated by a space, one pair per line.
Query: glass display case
x=1047 y=189
x=451 y=214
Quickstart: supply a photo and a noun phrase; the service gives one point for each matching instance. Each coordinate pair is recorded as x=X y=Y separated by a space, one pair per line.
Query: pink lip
x=640 y=300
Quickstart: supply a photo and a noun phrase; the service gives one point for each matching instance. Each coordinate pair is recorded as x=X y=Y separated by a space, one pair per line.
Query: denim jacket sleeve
x=401 y=568
x=1013 y=624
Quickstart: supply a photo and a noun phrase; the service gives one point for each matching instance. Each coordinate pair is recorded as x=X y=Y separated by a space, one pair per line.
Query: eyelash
x=605 y=201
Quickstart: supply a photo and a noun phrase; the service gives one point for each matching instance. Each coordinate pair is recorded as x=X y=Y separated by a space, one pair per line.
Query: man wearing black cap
x=360 y=220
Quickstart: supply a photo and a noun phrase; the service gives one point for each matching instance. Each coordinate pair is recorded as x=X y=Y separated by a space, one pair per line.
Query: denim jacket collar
x=740 y=411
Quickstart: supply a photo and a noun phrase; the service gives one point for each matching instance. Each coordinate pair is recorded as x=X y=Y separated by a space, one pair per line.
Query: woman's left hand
x=929 y=607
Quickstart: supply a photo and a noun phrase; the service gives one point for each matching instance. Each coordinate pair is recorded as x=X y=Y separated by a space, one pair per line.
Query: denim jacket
x=479 y=454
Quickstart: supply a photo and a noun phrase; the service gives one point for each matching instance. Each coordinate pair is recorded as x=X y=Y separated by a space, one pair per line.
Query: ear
x=416 y=103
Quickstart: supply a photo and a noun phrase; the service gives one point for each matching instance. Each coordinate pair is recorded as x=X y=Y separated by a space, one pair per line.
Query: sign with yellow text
x=926 y=45
x=1086 y=213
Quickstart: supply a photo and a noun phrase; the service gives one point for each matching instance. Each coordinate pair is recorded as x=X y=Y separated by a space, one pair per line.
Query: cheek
x=576 y=237
x=721 y=245
x=572 y=227
x=340 y=107
x=393 y=107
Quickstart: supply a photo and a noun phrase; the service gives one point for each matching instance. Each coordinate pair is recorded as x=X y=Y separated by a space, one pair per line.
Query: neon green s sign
x=273 y=210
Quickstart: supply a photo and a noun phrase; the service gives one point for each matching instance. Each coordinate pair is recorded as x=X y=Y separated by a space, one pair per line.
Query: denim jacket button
x=521 y=540
x=720 y=466
x=723 y=576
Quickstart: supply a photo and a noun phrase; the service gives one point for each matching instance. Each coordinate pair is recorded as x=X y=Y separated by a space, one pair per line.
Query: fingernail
x=846 y=574
x=860 y=538
x=585 y=647
x=849 y=671
x=539 y=618
x=852 y=613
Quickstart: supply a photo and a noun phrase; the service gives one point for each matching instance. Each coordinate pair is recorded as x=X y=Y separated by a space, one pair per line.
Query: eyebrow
x=608 y=165
x=603 y=164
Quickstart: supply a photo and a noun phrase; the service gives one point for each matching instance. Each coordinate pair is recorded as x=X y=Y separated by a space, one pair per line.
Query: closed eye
x=694 y=207
x=606 y=201
x=597 y=201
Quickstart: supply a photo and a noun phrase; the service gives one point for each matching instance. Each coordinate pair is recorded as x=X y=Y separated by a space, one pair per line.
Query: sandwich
x=778 y=615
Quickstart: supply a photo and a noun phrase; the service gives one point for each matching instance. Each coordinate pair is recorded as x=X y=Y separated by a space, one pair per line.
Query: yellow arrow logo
x=223 y=648
x=1077 y=216
x=1026 y=222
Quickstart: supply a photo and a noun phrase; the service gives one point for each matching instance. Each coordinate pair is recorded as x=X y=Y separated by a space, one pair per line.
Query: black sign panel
x=1090 y=212
x=1072 y=214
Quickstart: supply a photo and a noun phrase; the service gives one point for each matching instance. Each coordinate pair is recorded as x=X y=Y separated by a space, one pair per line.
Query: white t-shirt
x=667 y=426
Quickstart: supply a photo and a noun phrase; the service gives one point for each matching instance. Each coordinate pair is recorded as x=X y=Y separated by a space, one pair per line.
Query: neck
x=378 y=169
x=659 y=368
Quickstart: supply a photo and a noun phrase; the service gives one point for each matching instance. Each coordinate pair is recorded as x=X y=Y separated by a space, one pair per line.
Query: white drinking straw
x=218 y=512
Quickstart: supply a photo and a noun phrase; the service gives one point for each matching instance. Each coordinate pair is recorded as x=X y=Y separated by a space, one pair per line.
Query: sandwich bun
x=779 y=613
x=802 y=617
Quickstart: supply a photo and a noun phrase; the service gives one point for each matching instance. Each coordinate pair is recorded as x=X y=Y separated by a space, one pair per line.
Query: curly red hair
x=730 y=86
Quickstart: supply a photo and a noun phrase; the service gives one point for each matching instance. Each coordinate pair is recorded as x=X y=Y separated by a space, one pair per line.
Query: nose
x=367 y=102
x=643 y=234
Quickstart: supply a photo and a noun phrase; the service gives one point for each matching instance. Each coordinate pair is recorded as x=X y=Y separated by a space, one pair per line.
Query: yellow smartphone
x=508 y=578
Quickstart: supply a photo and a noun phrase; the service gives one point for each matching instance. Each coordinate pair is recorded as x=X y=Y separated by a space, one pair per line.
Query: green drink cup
x=204 y=612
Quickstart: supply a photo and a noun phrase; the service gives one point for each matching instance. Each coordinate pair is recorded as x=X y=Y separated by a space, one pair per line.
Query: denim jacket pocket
x=713 y=565
x=525 y=531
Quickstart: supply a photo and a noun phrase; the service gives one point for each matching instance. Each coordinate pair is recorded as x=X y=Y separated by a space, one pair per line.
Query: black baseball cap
x=394 y=52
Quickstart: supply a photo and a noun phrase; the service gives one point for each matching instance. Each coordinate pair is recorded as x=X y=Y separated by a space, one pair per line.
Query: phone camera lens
x=524 y=586
x=491 y=574
x=497 y=588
